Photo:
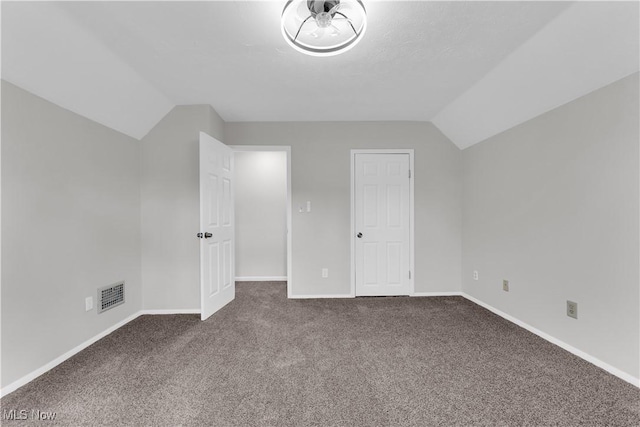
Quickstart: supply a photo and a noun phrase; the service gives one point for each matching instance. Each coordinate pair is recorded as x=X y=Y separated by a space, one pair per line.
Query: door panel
x=216 y=226
x=370 y=208
x=212 y=260
x=382 y=215
x=394 y=206
x=226 y=262
x=212 y=190
x=394 y=263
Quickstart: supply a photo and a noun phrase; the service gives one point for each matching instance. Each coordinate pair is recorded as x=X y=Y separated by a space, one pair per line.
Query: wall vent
x=110 y=296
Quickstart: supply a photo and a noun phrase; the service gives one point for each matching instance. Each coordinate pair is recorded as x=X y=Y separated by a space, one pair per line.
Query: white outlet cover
x=572 y=309
x=88 y=303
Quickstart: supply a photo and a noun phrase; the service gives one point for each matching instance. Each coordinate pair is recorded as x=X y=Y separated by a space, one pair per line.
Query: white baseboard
x=415 y=294
x=58 y=360
x=261 y=279
x=172 y=311
x=436 y=294
x=47 y=367
x=320 y=296
x=581 y=354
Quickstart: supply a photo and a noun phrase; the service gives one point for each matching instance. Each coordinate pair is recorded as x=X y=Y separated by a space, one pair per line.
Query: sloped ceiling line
x=47 y=53
x=472 y=68
x=588 y=46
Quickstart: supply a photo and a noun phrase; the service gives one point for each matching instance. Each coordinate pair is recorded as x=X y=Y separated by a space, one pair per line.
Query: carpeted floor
x=266 y=360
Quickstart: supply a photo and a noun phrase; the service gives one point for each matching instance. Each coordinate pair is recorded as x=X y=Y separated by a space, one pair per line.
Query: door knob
x=205 y=235
x=359 y=235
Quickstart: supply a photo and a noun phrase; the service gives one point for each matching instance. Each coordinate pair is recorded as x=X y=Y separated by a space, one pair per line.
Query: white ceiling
x=462 y=65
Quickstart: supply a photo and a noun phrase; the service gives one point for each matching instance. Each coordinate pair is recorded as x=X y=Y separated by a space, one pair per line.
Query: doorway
x=382 y=222
x=263 y=213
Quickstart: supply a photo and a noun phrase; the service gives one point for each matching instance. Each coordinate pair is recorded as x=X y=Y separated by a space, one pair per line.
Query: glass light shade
x=323 y=28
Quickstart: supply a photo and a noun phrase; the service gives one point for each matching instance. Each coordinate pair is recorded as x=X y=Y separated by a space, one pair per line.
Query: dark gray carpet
x=266 y=360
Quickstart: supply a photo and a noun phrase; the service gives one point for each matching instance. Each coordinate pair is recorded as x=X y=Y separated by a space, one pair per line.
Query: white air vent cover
x=110 y=296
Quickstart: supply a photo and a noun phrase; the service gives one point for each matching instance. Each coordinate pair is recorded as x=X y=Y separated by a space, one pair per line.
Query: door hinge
x=409 y=274
x=409 y=173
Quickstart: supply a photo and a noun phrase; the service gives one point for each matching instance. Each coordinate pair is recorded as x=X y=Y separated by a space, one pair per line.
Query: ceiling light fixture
x=323 y=27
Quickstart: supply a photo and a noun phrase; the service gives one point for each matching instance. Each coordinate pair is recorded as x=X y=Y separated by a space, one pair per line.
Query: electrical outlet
x=505 y=285
x=88 y=303
x=475 y=274
x=572 y=309
x=325 y=273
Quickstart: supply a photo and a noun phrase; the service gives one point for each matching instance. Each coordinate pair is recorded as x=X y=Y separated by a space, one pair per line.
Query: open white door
x=217 y=284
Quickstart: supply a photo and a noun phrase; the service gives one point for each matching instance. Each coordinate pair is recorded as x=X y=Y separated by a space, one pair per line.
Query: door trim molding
x=287 y=150
x=410 y=152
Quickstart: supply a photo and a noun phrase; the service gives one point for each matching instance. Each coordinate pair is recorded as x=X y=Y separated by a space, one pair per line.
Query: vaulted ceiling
x=472 y=68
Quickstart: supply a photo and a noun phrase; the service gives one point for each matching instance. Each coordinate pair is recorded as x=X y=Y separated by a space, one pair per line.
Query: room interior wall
x=552 y=206
x=321 y=171
x=261 y=214
x=70 y=224
x=170 y=207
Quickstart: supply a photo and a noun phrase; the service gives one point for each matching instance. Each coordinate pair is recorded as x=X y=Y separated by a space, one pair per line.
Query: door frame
x=408 y=151
x=287 y=150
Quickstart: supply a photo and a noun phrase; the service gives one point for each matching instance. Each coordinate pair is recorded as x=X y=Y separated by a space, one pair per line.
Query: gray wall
x=320 y=158
x=261 y=213
x=70 y=224
x=171 y=207
x=552 y=206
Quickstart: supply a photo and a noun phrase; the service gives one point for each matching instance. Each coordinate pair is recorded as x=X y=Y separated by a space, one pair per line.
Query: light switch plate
x=88 y=303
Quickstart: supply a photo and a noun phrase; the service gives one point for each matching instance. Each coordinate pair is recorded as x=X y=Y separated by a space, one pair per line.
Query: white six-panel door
x=382 y=224
x=217 y=282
